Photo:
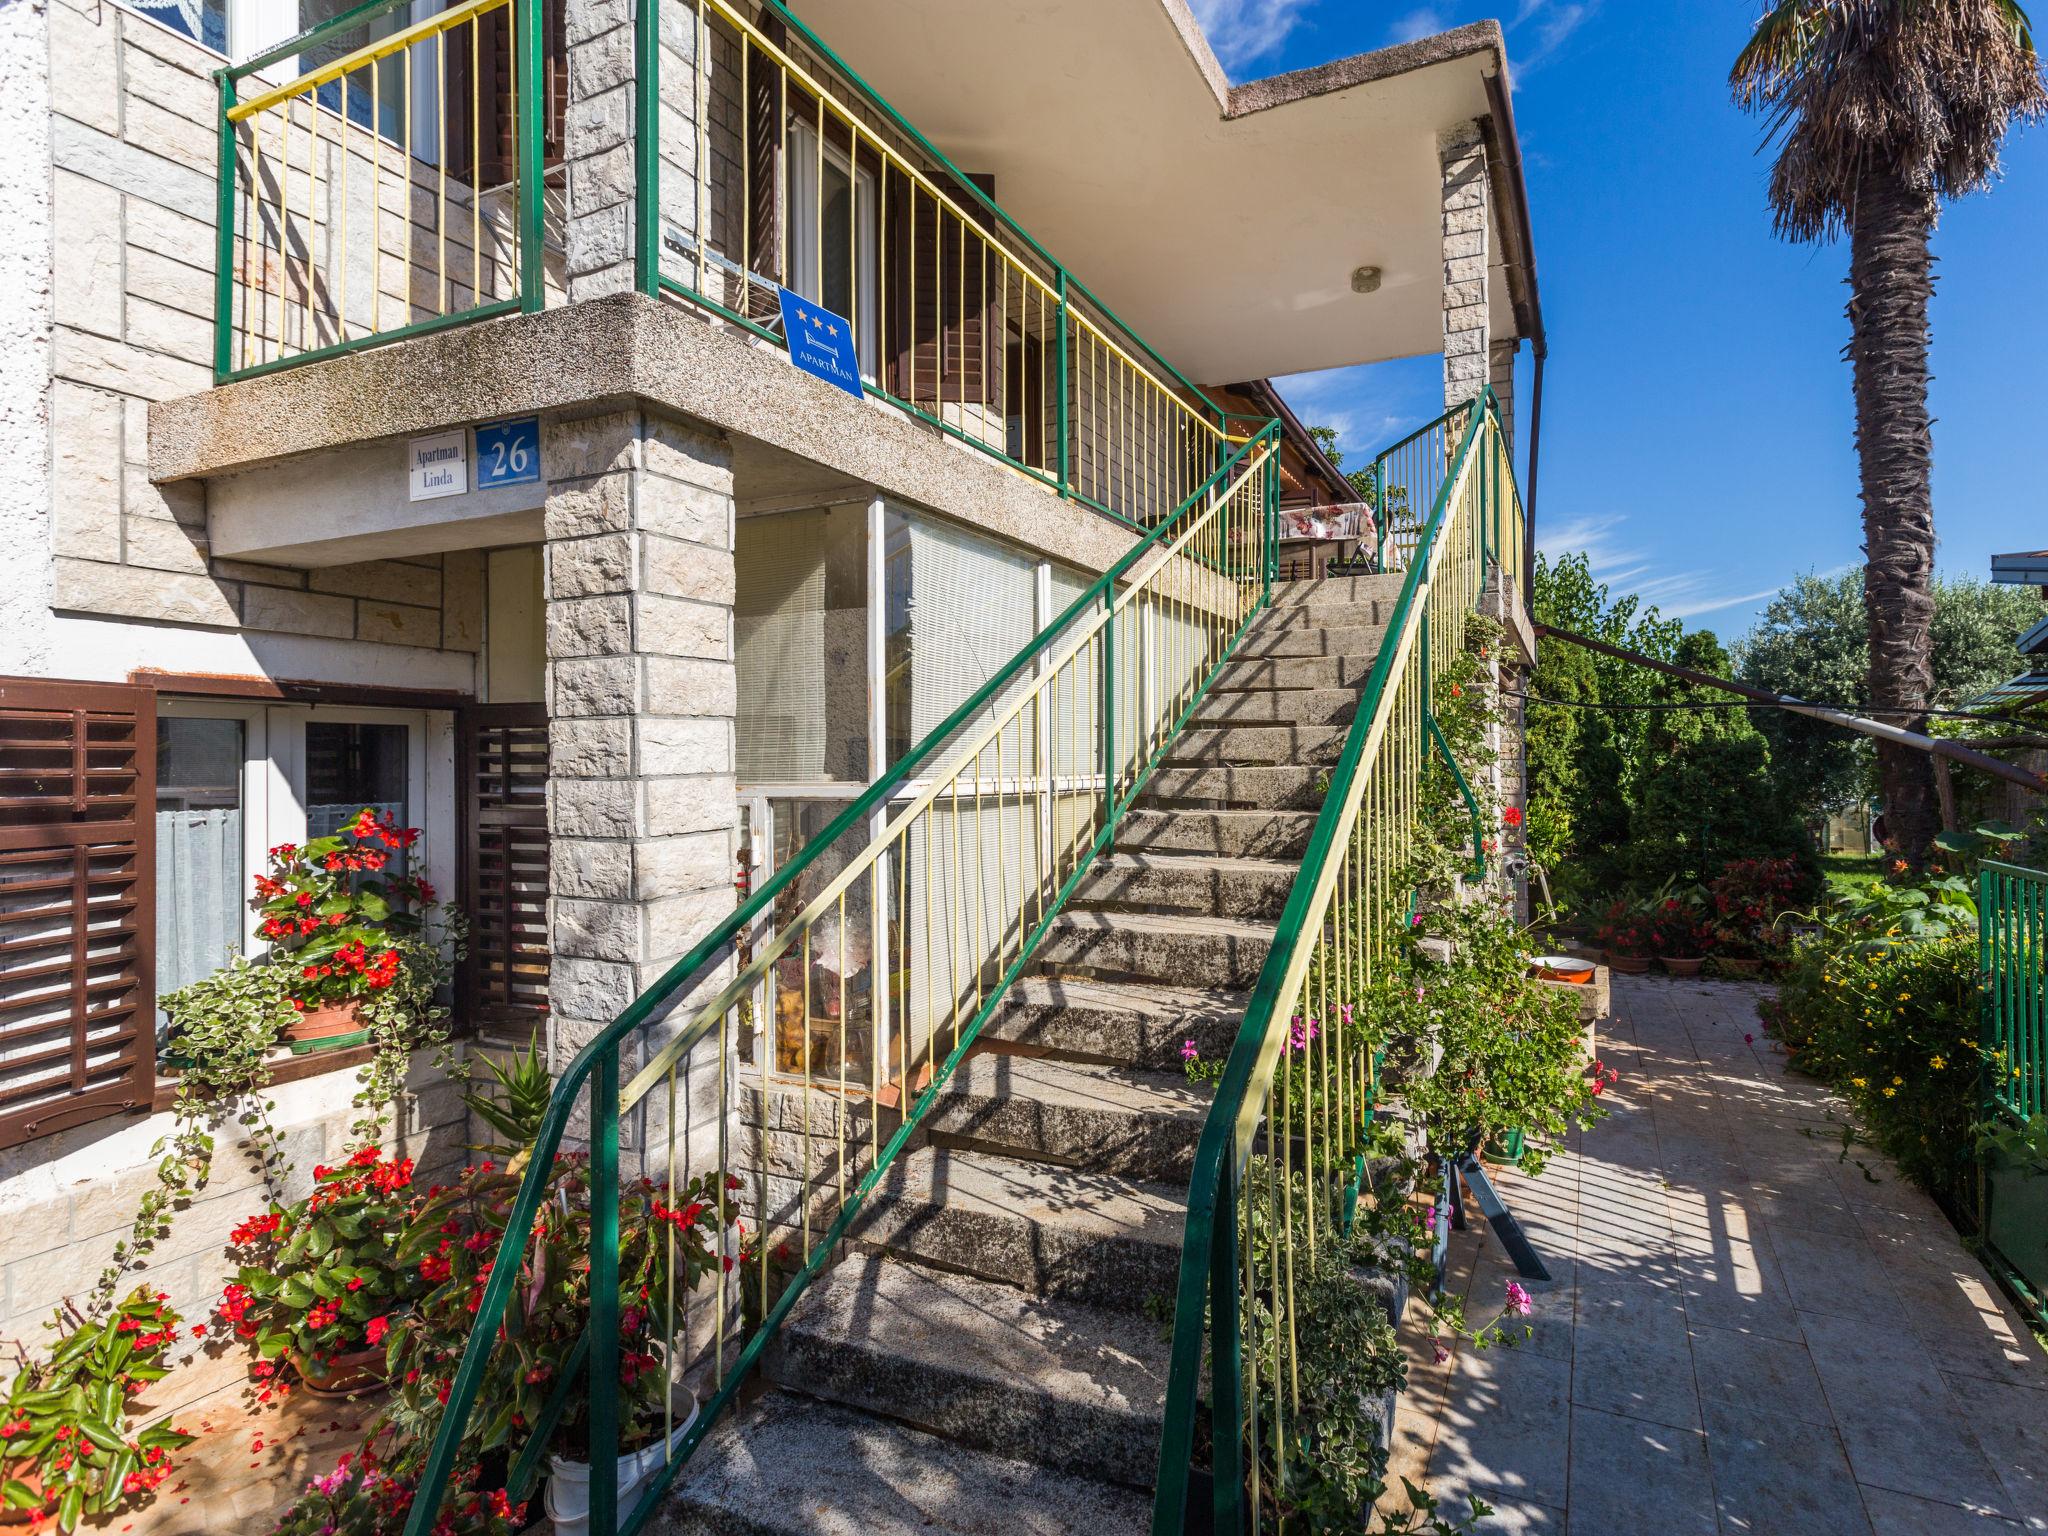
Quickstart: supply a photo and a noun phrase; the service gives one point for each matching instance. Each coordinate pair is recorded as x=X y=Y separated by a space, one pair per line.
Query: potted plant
x=453 y=1242
x=323 y=1282
x=331 y=912
x=65 y=1449
x=1625 y=938
x=1681 y=937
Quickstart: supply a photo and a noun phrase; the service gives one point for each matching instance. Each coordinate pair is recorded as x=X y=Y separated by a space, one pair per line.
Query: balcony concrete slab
x=1764 y=1336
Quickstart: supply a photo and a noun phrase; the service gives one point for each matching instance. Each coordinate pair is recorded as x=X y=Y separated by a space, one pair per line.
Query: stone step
x=1310 y=640
x=1058 y=1383
x=795 y=1467
x=1212 y=887
x=1256 y=745
x=1127 y=1121
x=1296 y=788
x=1263 y=672
x=1291 y=706
x=1183 y=951
x=1140 y=1024
x=1338 y=589
x=1052 y=1231
x=1281 y=619
x=1227 y=834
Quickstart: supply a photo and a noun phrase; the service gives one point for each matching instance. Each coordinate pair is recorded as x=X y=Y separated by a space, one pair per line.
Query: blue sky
x=1697 y=417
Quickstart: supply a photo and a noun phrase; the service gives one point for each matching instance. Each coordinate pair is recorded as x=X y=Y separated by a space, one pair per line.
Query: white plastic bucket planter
x=568 y=1492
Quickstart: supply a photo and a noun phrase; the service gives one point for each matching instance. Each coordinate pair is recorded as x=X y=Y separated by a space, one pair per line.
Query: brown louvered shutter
x=505 y=868
x=489 y=58
x=77 y=904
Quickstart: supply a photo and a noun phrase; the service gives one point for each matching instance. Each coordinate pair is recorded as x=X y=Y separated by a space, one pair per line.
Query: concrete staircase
x=993 y=1357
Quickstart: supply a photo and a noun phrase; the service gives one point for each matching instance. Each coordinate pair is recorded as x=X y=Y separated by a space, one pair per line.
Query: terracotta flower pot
x=342 y=1375
x=325 y=1027
x=1574 y=969
x=22 y=1472
x=1628 y=965
x=1683 y=967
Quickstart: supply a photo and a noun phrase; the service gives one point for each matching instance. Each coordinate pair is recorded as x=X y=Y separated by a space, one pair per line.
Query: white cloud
x=1245 y=31
x=1420 y=22
x=1367 y=407
x=1626 y=566
x=1544 y=26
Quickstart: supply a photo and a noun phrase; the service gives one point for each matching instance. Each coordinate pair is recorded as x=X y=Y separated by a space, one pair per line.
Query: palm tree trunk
x=1891 y=279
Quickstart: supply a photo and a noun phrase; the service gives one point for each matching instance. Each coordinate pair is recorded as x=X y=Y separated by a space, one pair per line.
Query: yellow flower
x=1937 y=1062
x=1897 y=1080
x=1890 y=1092
x=1905 y=997
x=1864 y=1083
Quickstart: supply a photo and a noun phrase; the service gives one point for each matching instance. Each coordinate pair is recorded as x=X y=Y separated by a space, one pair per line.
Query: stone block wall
x=1461 y=152
x=65 y=1200
x=131 y=206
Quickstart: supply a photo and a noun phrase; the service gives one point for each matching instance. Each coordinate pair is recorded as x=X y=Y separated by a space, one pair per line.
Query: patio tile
x=1637 y=1379
x=1503 y=1429
x=1900 y=1514
x=1901 y=1426
x=1630 y=1476
x=1830 y=1274
x=1632 y=1307
x=1749 y=1372
x=1778 y=1476
x=1551 y=1301
x=2011 y=1425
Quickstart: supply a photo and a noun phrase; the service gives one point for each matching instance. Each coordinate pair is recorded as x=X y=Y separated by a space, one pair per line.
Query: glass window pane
x=200 y=879
x=800 y=631
x=820 y=992
x=350 y=766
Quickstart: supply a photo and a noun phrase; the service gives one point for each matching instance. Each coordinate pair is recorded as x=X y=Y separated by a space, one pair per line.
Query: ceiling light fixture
x=1365 y=280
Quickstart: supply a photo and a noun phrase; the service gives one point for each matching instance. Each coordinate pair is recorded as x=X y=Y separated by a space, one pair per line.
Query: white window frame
x=274 y=779
x=806 y=248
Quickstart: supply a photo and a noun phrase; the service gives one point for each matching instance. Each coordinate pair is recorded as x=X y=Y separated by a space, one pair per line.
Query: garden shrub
x=1882 y=1001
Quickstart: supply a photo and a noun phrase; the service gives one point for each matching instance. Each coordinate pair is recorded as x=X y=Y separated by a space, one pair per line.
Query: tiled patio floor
x=249 y=1463
x=1742 y=1332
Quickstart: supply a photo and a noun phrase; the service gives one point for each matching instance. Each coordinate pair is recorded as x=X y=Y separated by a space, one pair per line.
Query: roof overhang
x=1222 y=223
x=2028 y=569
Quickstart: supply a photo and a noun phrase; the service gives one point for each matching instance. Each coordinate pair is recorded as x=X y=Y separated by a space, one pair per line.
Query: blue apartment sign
x=508 y=452
x=820 y=342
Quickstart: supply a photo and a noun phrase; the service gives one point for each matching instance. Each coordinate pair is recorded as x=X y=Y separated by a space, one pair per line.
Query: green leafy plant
x=66 y=1447
x=2015 y=1143
x=452 y=1243
x=361 y=1497
x=322 y=1276
x=516 y=1105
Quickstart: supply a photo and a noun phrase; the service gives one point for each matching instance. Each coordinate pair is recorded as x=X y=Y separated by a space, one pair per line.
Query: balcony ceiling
x=1222 y=223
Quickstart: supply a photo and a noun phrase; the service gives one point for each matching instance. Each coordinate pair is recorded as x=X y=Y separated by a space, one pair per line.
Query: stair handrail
x=1444 y=581
x=1219 y=540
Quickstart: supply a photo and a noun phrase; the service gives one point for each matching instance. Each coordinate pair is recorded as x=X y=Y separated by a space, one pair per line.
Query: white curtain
x=199 y=916
x=779 y=634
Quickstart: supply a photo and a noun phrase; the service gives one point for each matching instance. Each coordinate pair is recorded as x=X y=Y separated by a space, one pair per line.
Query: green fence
x=2012 y=919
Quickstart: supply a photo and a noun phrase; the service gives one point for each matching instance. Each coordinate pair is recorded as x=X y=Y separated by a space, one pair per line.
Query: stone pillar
x=598 y=148
x=1462 y=154
x=1501 y=375
x=642 y=695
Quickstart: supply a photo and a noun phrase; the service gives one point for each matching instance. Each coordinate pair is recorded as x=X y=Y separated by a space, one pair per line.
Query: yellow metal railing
x=370 y=197
x=775 y=167
x=1277 y=1164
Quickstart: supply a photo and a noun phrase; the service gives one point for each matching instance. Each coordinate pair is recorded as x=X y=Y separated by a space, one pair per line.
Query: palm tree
x=1880 y=109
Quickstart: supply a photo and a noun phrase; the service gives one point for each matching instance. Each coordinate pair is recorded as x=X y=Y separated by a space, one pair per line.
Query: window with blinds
x=504 y=767
x=77 y=907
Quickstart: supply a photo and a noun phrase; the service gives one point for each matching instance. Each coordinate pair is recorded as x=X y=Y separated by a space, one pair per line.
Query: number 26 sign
x=508 y=452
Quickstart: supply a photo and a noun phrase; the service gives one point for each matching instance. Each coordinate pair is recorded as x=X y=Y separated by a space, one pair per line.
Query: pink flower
x=1188 y=1051
x=1442 y=1353
x=1518 y=1300
x=1749 y=1039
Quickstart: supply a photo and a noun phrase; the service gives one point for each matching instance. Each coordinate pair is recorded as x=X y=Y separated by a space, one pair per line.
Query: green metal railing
x=355 y=205
x=2012 y=922
x=1047 y=754
x=1280 y=1155
x=960 y=317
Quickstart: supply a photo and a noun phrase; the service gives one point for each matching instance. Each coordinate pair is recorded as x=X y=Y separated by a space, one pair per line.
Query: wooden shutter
x=496 y=130
x=77 y=907
x=504 y=755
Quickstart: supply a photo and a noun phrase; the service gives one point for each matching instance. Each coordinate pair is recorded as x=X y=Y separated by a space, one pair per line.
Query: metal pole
x=224 y=238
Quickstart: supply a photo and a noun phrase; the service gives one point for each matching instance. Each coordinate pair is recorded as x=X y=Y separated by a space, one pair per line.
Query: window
x=351 y=767
x=200 y=848
x=832 y=234
x=800 y=632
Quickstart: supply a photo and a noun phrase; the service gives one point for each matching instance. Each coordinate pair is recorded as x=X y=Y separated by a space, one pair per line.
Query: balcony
x=430 y=177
